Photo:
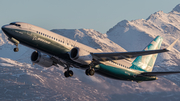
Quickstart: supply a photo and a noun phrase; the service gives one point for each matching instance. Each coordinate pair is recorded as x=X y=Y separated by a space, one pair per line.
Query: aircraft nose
x=4 y=28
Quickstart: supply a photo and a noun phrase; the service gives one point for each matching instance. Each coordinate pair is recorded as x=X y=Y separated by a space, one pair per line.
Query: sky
x=100 y=15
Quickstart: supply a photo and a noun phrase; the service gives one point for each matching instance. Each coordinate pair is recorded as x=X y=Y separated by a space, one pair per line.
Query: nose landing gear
x=16 y=42
x=16 y=49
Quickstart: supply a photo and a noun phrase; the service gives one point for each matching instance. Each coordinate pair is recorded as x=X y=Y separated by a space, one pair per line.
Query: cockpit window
x=15 y=24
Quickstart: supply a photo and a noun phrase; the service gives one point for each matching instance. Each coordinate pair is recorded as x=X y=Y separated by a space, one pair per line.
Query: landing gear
x=90 y=72
x=16 y=42
x=16 y=49
x=68 y=73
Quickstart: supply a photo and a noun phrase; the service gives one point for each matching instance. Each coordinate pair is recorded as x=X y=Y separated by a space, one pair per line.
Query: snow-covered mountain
x=20 y=80
x=136 y=34
x=91 y=38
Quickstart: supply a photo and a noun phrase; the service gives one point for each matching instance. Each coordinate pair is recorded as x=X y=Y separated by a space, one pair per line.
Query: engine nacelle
x=81 y=56
x=41 y=59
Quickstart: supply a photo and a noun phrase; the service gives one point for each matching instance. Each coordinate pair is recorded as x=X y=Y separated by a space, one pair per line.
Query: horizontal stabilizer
x=158 y=73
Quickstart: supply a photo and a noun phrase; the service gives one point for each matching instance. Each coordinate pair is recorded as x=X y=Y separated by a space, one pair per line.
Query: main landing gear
x=90 y=71
x=68 y=73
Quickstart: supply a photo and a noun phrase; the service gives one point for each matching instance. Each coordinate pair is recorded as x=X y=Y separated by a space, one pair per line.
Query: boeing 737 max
x=53 y=49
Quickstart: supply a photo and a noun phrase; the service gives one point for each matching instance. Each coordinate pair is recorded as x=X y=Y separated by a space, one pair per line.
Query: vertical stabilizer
x=146 y=62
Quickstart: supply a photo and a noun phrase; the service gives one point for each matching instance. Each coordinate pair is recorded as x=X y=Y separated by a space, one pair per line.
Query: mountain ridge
x=176 y=9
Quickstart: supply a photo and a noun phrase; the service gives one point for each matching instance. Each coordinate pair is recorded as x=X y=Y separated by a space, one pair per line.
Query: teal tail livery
x=146 y=62
x=52 y=49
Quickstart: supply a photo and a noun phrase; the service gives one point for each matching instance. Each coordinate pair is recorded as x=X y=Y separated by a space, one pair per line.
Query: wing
x=124 y=55
x=157 y=73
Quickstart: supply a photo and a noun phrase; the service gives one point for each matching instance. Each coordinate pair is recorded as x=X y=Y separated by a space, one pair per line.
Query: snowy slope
x=20 y=80
x=135 y=31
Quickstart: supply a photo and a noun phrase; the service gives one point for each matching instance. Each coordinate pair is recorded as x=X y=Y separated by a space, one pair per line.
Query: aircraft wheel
x=90 y=72
x=16 y=49
x=87 y=72
x=68 y=73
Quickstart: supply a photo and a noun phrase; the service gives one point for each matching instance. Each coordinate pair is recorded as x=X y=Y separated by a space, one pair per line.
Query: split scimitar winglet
x=170 y=47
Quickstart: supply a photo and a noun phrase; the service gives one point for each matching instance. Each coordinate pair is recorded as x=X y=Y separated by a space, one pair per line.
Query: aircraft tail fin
x=146 y=62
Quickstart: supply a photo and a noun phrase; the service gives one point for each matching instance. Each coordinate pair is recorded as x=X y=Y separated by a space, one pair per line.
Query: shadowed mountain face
x=20 y=80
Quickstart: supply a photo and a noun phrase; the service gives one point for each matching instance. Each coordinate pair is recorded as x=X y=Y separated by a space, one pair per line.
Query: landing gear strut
x=68 y=73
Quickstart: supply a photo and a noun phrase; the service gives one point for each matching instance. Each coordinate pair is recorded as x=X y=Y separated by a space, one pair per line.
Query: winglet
x=169 y=48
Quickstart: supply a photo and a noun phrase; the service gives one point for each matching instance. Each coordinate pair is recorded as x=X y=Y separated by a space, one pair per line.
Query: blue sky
x=100 y=15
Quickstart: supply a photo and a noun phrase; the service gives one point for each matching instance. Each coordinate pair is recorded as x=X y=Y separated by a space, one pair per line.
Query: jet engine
x=41 y=59
x=81 y=56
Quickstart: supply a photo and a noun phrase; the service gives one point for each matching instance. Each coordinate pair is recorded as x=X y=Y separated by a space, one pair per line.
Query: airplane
x=52 y=49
